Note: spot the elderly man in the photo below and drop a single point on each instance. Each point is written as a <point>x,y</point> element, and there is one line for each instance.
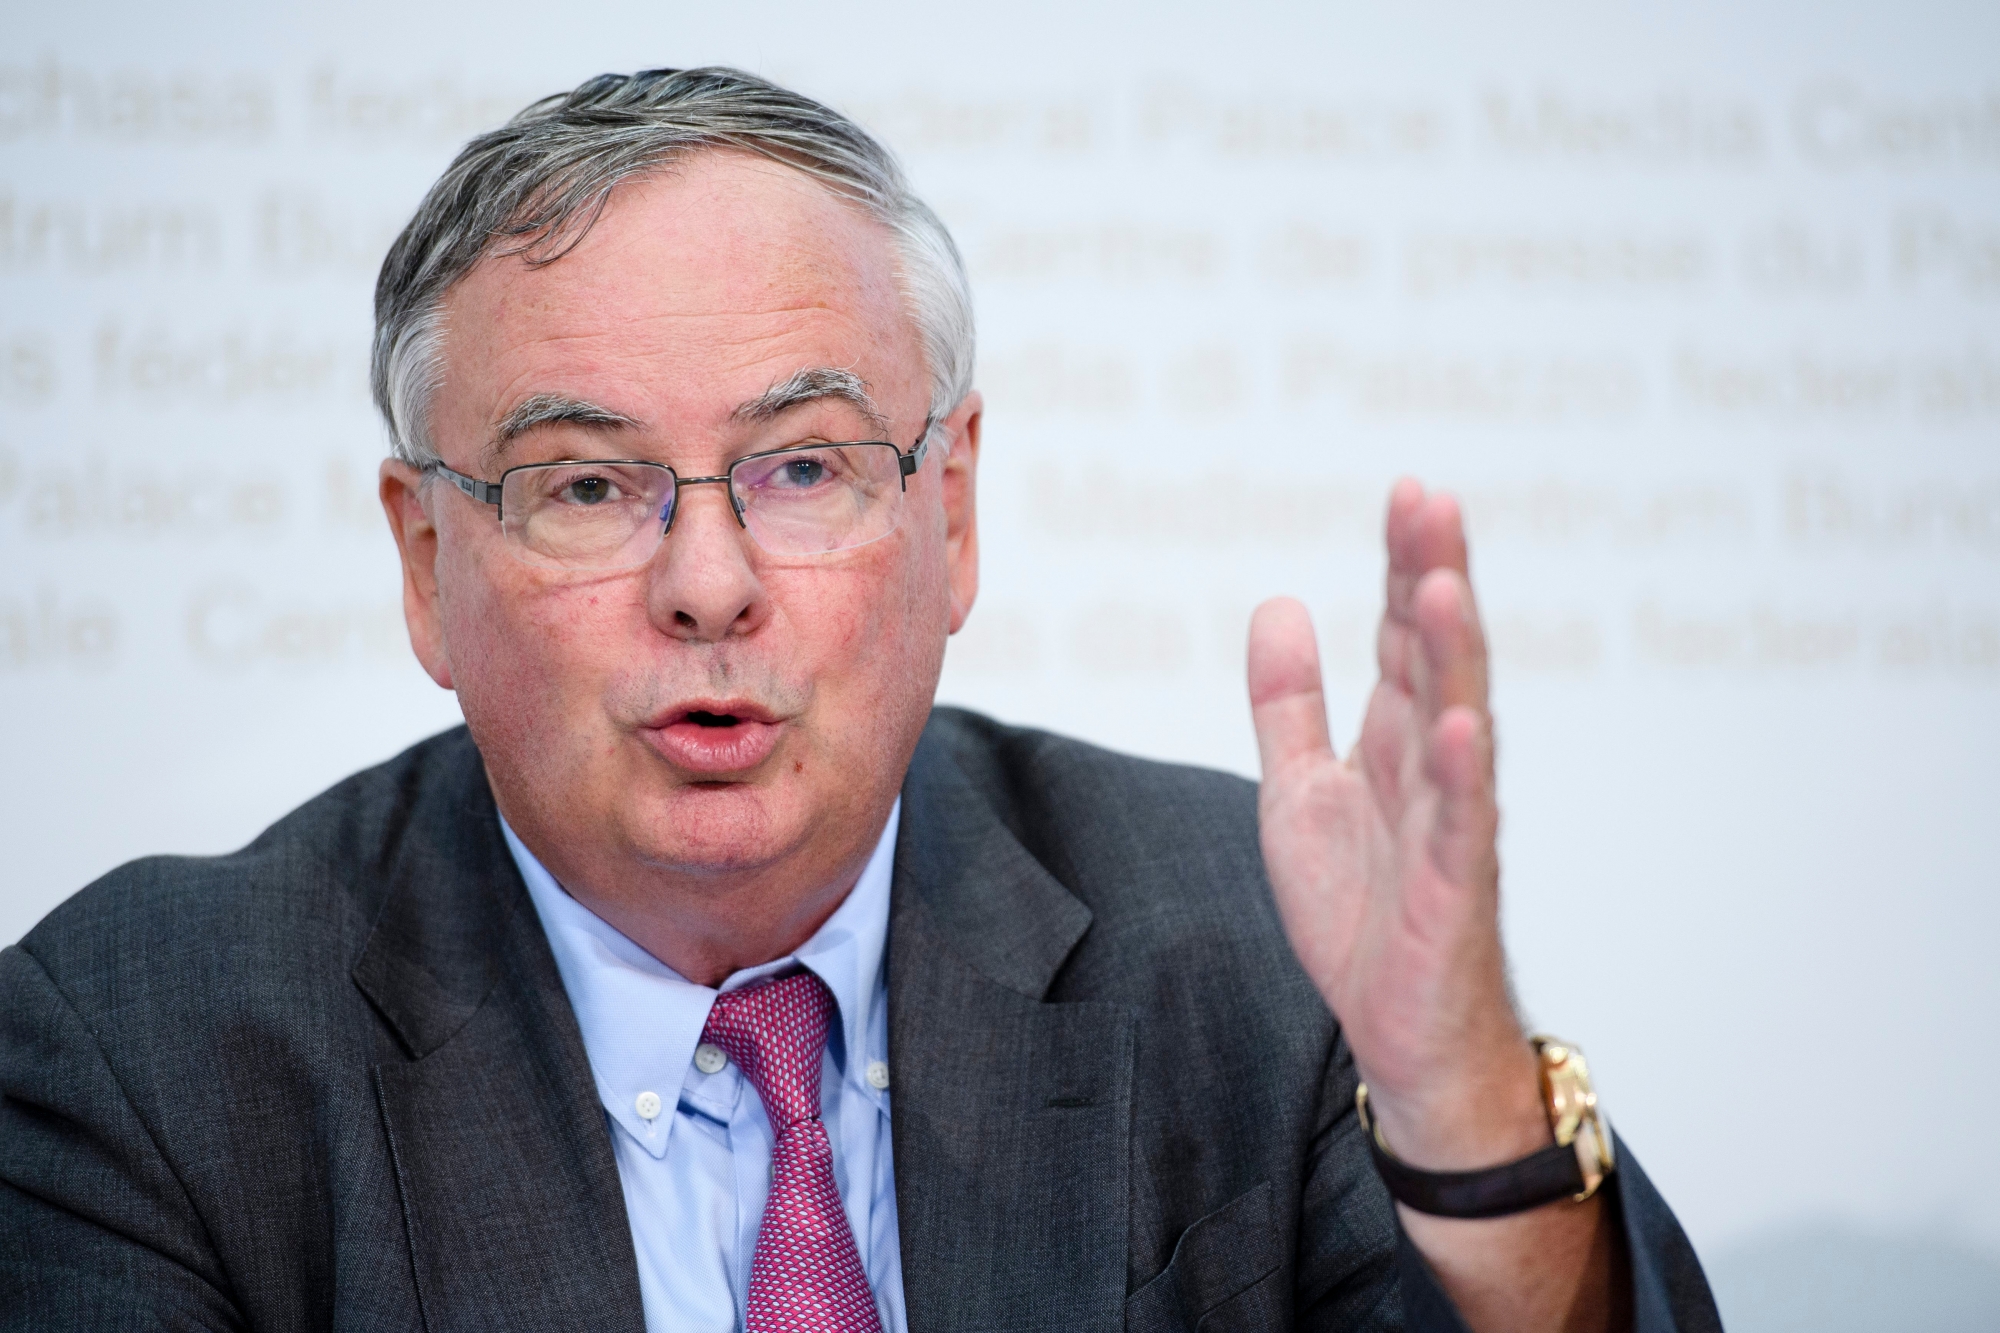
<point>709,978</point>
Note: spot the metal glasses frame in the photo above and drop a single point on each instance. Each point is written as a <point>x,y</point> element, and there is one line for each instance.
<point>490,492</point>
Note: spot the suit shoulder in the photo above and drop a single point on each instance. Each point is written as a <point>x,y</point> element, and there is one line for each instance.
<point>1167,859</point>
<point>306,885</point>
<point>1099,820</point>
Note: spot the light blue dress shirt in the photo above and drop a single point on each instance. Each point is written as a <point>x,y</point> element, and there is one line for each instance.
<point>695,1173</point>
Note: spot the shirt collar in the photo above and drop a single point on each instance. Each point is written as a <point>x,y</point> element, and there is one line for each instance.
<point>641,1020</point>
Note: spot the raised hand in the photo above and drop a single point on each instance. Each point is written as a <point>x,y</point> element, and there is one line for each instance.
<point>1384,865</point>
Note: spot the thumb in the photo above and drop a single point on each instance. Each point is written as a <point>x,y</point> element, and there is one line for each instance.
<point>1287,704</point>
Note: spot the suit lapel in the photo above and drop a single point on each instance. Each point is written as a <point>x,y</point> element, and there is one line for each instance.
<point>510,1193</point>
<point>1011,1114</point>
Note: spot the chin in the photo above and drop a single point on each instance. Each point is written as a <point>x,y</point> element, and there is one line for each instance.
<point>716,828</point>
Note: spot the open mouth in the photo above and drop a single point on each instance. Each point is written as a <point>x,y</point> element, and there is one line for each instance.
<point>703,718</point>
<point>716,739</point>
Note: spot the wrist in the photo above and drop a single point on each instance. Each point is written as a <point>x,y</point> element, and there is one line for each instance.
<point>1483,1114</point>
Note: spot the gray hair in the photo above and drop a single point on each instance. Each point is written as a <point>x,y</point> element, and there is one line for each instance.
<point>537,184</point>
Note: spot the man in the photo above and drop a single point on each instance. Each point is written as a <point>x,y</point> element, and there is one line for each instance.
<point>708,978</point>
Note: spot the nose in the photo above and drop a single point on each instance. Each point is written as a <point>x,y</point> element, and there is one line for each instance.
<point>703,587</point>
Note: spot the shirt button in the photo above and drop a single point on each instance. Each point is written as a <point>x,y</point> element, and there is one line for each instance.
<point>647,1104</point>
<point>709,1058</point>
<point>877,1075</point>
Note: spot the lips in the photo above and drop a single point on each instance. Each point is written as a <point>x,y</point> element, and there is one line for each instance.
<point>715,738</point>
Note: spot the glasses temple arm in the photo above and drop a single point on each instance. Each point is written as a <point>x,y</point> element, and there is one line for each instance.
<point>486,492</point>
<point>910,462</point>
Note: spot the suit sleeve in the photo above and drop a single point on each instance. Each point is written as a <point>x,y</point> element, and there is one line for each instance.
<point>96,1231</point>
<point>1350,1249</point>
<point>1348,1212</point>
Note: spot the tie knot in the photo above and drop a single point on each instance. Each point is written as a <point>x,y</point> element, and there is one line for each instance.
<point>775,1032</point>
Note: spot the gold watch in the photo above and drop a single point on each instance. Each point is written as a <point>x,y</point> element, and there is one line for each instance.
<point>1574,1115</point>
<point>1573,1167</point>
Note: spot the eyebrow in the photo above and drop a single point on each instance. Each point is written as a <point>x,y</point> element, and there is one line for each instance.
<point>552,409</point>
<point>811,385</point>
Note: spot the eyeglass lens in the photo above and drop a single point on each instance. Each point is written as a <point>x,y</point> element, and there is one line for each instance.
<point>804,501</point>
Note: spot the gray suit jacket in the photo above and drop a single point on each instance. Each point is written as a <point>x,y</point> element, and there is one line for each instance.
<point>332,1081</point>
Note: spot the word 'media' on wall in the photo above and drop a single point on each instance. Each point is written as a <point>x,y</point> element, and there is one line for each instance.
<point>1663,127</point>
<point>1837,124</point>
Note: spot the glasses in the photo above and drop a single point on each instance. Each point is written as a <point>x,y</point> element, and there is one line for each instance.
<point>609,514</point>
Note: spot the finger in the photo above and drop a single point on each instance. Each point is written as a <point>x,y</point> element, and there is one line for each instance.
<point>1459,767</point>
<point>1437,534</point>
<point>1423,532</point>
<point>1287,701</point>
<point>1406,500</point>
<point>1452,646</point>
<point>1388,739</point>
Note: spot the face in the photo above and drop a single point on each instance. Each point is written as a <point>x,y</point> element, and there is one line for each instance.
<point>719,721</point>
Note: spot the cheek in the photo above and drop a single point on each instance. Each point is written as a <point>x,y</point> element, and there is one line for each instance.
<point>871,632</point>
<point>518,646</point>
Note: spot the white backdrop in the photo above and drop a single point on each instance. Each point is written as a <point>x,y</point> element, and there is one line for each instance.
<point>1698,307</point>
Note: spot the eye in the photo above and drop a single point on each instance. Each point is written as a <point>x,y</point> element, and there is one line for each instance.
<point>804,472</point>
<point>588,490</point>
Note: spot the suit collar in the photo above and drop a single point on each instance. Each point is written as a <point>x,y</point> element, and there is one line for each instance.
<point>1011,1115</point>
<point>984,894</point>
<point>503,1161</point>
<point>453,896</point>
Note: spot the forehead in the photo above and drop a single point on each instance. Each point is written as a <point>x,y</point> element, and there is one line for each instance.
<point>696,290</point>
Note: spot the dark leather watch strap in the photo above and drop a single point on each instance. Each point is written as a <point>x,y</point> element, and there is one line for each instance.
<point>1539,1178</point>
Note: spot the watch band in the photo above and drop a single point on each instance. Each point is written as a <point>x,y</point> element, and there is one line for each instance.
<point>1572,1167</point>
<point>1539,1178</point>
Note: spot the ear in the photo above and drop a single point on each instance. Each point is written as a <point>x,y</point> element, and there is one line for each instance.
<point>961,510</point>
<point>402,491</point>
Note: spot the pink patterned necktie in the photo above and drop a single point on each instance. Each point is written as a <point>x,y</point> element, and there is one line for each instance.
<point>806,1275</point>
